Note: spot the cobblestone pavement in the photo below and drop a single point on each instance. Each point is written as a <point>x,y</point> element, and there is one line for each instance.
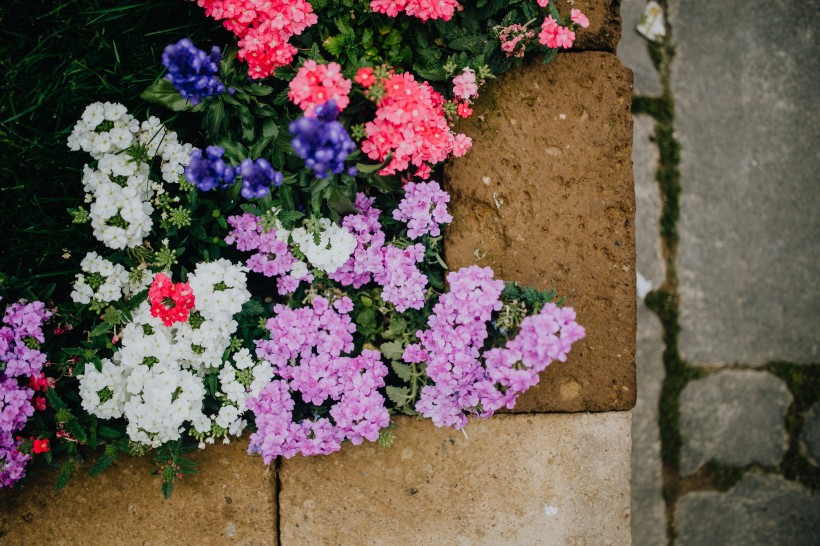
<point>726,430</point>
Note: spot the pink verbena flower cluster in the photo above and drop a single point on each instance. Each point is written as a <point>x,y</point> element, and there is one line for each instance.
<point>315,84</point>
<point>20,364</point>
<point>423,9</point>
<point>411,124</point>
<point>305,349</point>
<point>514,39</point>
<point>554,35</point>
<point>273,256</point>
<point>264,28</point>
<point>423,208</point>
<point>451,349</point>
<point>392,268</point>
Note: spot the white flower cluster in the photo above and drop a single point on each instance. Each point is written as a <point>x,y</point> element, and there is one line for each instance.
<point>239,380</point>
<point>119,189</point>
<point>155,380</point>
<point>219,289</point>
<point>105,280</point>
<point>334,246</point>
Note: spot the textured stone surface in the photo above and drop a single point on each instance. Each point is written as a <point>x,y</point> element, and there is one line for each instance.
<point>546,197</point>
<point>604,28</point>
<point>648,517</point>
<point>229,501</point>
<point>761,510</point>
<point>746,110</point>
<point>633,50</point>
<point>514,479</point>
<point>648,206</point>
<point>734,417</point>
<point>811,434</point>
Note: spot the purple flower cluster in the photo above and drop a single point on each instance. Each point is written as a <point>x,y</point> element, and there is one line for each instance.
<point>257,177</point>
<point>209,171</point>
<point>22,323</point>
<point>322,141</point>
<point>423,208</point>
<point>272,256</point>
<point>305,349</point>
<point>388,266</point>
<point>192,71</point>
<point>452,343</point>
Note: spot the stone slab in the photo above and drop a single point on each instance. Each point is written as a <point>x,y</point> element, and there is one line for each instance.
<point>747,119</point>
<point>546,197</point>
<point>648,507</point>
<point>230,501</point>
<point>513,479</point>
<point>634,52</point>
<point>648,204</point>
<point>734,417</point>
<point>761,510</point>
<point>604,30</point>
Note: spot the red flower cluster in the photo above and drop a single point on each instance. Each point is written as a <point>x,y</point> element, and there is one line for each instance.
<point>410,123</point>
<point>264,28</point>
<point>171,302</point>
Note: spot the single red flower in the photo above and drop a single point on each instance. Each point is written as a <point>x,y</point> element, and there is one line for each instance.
<point>40,403</point>
<point>40,446</point>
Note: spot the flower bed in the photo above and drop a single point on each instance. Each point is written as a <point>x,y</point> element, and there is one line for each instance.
<point>286,276</point>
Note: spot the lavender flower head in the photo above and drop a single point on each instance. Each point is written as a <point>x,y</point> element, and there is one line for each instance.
<point>322,141</point>
<point>209,171</point>
<point>257,177</point>
<point>193,71</point>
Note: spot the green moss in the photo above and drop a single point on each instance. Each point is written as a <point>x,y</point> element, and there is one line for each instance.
<point>804,383</point>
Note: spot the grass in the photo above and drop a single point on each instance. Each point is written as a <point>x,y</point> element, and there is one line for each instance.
<point>56,58</point>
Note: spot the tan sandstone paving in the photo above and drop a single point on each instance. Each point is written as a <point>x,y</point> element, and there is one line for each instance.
<point>514,479</point>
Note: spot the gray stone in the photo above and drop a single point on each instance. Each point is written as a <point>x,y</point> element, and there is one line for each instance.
<point>746,117</point>
<point>761,510</point>
<point>811,434</point>
<point>734,417</point>
<point>633,52</point>
<point>648,517</point>
<point>648,205</point>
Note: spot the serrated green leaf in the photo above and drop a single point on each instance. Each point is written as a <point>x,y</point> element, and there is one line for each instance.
<point>398,395</point>
<point>392,350</point>
<point>108,432</point>
<point>404,371</point>
<point>100,329</point>
<point>65,474</point>
<point>54,399</point>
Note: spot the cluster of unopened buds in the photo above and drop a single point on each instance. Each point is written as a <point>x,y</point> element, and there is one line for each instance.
<point>169,471</point>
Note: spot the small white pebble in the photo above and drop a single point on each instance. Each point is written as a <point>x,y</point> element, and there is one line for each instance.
<point>562,116</point>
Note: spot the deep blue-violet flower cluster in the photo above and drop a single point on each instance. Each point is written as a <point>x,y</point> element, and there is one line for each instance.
<point>322,141</point>
<point>193,71</point>
<point>208,171</point>
<point>257,177</point>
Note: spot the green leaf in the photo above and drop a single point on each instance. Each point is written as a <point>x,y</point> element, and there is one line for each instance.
<point>108,432</point>
<point>164,93</point>
<point>333,45</point>
<point>366,319</point>
<point>270,129</point>
<point>55,400</point>
<point>167,489</point>
<point>259,90</point>
<point>101,464</point>
<point>100,329</point>
<point>65,474</point>
<point>73,426</point>
<point>404,371</point>
<point>338,201</point>
<point>392,350</point>
<point>214,119</point>
<point>398,395</point>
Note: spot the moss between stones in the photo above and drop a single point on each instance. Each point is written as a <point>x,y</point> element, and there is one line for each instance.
<point>804,383</point>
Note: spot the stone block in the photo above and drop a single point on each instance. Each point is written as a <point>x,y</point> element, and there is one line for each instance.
<point>513,479</point>
<point>546,197</point>
<point>648,508</point>
<point>734,417</point>
<point>761,510</point>
<point>229,501</point>
<point>648,204</point>
<point>633,50</point>
<point>748,258</point>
